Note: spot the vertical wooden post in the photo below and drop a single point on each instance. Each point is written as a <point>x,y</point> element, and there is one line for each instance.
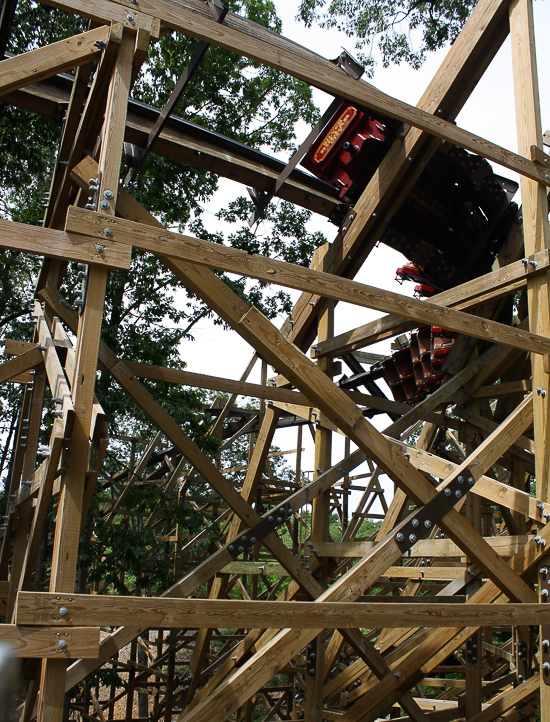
<point>536,237</point>
<point>69,511</point>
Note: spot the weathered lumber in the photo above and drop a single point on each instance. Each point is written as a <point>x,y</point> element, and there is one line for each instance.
<point>35,65</point>
<point>206,253</point>
<point>58,244</point>
<point>35,608</point>
<point>507,279</point>
<point>49,642</point>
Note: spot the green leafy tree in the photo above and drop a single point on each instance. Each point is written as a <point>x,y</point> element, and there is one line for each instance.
<point>401,30</point>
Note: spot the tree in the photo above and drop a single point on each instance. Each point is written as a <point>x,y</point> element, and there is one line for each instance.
<point>148,311</point>
<point>401,30</point>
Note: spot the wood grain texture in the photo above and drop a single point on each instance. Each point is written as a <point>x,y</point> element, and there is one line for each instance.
<point>58,244</point>
<point>205,253</point>
<point>35,65</point>
<point>42,642</point>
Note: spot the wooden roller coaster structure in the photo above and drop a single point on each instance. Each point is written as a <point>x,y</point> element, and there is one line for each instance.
<point>443,613</point>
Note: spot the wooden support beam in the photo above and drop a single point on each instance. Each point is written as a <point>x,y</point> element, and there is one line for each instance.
<point>44,642</point>
<point>507,279</point>
<point>58,244</point>
<point>109,11</point>
<point>35,65</point>
<point>505,546</point>
<point>254,41</point>
<point>206,253</point>
<point>35,608</point>
<point>25,362</point>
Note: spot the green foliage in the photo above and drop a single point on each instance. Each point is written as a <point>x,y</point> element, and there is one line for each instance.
<point>401,30</point>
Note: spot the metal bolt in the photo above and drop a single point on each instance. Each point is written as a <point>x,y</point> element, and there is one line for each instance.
<point>253,539</point>
<point>412,538</point>
<point>533,263</point>
<point>460,479</point>
<point>63,611</point>
<point>99,248</point>
<point>458,493</point>
<point>107,231</point>
<point>344,229</point>
<point>545,643</point>
<point>104,204</point>
<point>544,571</point>
<point>62,644</point>
<point>269,518</point>
<point>244,537</point>
<point>89,207</point>
<point>427,523</point>
<point>546,666</point>
<point>400,537</point>
<point>397,674</point>
<point>525,262</point>
<point>415,523</point>
<point>544,593</point>
<point>231,547</point>
<point>447,492</point>
<point>241,549</point>
<point>130,18</point>
<point>471,480</point>
<point>537,539</point>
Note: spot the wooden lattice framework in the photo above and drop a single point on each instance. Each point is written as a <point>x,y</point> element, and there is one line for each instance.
<point>338,655</point>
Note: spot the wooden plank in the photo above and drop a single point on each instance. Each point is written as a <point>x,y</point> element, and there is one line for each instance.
<point>106,11</point>
<point>506,546</point>
<point>205,253</point>
<point>35,65</point>
<point>38,608</point>
<point>71,498</point>
<point>536,228</point>
<point>491,285</point>
<point>42,642</point>
<point>24,362</point>
<point>58,244</point>
<point>247,38</point>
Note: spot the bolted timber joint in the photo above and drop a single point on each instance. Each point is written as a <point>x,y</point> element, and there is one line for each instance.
<point>272,522</point>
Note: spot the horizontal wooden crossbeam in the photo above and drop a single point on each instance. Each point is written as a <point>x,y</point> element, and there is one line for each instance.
<point>68,610</point>
<point>47,641</point>
<point>64,246</point>
<point>212,255</point>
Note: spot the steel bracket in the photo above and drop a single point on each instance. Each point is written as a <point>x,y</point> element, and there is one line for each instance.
<point>427,516</point>
<point>311,658</point>
<point>544,584</point>
<point>522,670</point>
<point>271,522</point>
<point>348,63</point>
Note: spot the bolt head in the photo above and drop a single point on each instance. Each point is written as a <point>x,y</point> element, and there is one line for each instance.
<point>427,523</point>
<point>458,493</point>
<point>447,492</point>
<point>415,523</point>
<point>412,538</point>
<point>400,537</point>
<point>460,479</point>
<point>107,231</point>
<point>62,644</point>
<point>99,248</point>
<point>130,17</point>
<point>104,204</point>
<point>63,611</point>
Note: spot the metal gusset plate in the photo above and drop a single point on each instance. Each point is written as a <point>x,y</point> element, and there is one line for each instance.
<point>427,516</point>
<point>270,522</point>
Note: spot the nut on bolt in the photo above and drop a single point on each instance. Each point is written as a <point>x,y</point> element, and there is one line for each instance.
<point>62,644</point>
<point>99,248</point>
